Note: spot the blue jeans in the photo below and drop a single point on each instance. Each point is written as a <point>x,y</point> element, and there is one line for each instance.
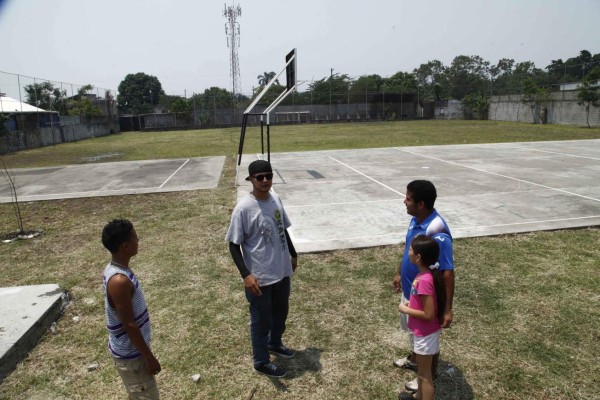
<point>268,313</point>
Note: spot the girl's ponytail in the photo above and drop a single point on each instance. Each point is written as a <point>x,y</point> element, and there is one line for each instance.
<point>440,293</point>
<point>429,250</point>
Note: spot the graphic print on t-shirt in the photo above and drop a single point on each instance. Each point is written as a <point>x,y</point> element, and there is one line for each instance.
<point>280,229</point>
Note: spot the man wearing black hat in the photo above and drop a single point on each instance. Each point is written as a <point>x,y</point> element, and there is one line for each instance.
<point>265,256</point>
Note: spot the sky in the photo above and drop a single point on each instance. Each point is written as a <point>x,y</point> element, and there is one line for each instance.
<point>183,42</point>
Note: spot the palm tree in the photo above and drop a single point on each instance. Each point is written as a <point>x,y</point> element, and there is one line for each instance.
<point>266,77</point>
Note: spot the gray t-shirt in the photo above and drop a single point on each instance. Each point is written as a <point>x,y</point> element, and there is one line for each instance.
<point>259,227</point>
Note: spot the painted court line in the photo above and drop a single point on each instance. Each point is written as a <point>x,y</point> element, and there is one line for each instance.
<point>560,154</point>
<point>533,222</point>
<point>342,203</point>
<point>368,177</point>
<point>500,175</point>
<point>173,174</point>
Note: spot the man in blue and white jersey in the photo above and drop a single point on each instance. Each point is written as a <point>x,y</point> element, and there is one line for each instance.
<point>419,201</point>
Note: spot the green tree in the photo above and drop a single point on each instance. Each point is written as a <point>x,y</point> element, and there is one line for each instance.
<point>432,80</point>
<point>139,93</point>
<point>265,78</point>
<point>365,85</point>
<point>81,104</point>
<point>45,96</point>
<point>214,98</point>
<point>180,105</point>
<point>501,75</point>
<point>527,69</point>
<point>556,71</point>
<point>274,91</point>
<point>468,74</point>
<point>401,82</point>
<point>580,65</point>
<point>476,103</point>
<point>573,69</point>
<point>537,98</point>
<point>332,89</point>
<point>588,93</point>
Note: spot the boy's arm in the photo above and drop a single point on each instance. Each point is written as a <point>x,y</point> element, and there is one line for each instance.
<point>120,292</point>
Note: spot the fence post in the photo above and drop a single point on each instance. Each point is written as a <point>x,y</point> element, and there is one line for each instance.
<point>348,109</point>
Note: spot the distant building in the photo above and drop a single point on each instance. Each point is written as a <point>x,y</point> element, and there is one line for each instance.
<point>565,87</point>
<point>22,116</point>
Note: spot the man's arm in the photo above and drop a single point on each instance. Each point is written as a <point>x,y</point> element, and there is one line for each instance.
<point>448,276</point>
<point>250,281</point>
<point>120,292</point>
<point>397,282</point>
<point>293,253</point>
<point>446,263</point>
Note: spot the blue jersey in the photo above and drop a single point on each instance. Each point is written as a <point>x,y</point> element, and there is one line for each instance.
<point>436,227</point>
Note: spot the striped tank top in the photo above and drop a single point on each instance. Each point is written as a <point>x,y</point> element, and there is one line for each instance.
<point>118,341</point>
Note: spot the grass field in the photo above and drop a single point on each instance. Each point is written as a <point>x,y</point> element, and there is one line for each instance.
<point>526,307</point>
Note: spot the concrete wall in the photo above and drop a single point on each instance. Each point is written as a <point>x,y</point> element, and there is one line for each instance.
<point>283,114</point>
<point>72,130</point>
<point>562,110</point>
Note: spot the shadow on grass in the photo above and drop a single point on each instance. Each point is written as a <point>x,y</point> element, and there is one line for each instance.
<point>307,360</point>
<point>451,383</point>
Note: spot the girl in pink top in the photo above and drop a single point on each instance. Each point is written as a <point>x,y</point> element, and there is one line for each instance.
<point>425,310</point>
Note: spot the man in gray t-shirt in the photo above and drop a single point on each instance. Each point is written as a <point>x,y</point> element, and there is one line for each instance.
<point>265,257</point>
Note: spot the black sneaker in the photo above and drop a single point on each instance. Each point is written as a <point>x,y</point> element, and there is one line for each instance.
<point>270,370</point>
<point>282,351</point>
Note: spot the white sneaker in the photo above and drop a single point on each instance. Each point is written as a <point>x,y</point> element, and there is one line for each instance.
<point>405,362</point>
<point>412,386</point>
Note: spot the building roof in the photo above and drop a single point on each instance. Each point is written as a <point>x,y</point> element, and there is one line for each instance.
<point>8,105</point>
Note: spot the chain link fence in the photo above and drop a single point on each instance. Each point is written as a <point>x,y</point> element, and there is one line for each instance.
<point>39,112</point>
<point>358,101</point>
<point>88,111</point>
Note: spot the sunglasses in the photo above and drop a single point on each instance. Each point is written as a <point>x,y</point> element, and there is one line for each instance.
<point>261,178</point>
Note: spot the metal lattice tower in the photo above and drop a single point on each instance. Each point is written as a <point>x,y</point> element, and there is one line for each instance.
<point>232,30</point>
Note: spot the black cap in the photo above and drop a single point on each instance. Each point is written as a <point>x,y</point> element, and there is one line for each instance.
<point>258,166</point>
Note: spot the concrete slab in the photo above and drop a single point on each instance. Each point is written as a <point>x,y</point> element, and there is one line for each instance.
<point>26,312</point>
<point>354,198</point>
<point>114,178</point>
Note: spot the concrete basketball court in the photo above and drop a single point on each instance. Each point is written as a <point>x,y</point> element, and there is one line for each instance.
<point>354,198</point>
<point>114,178</point>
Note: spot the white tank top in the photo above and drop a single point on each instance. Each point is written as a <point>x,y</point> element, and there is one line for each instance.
<point>118,341</point>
